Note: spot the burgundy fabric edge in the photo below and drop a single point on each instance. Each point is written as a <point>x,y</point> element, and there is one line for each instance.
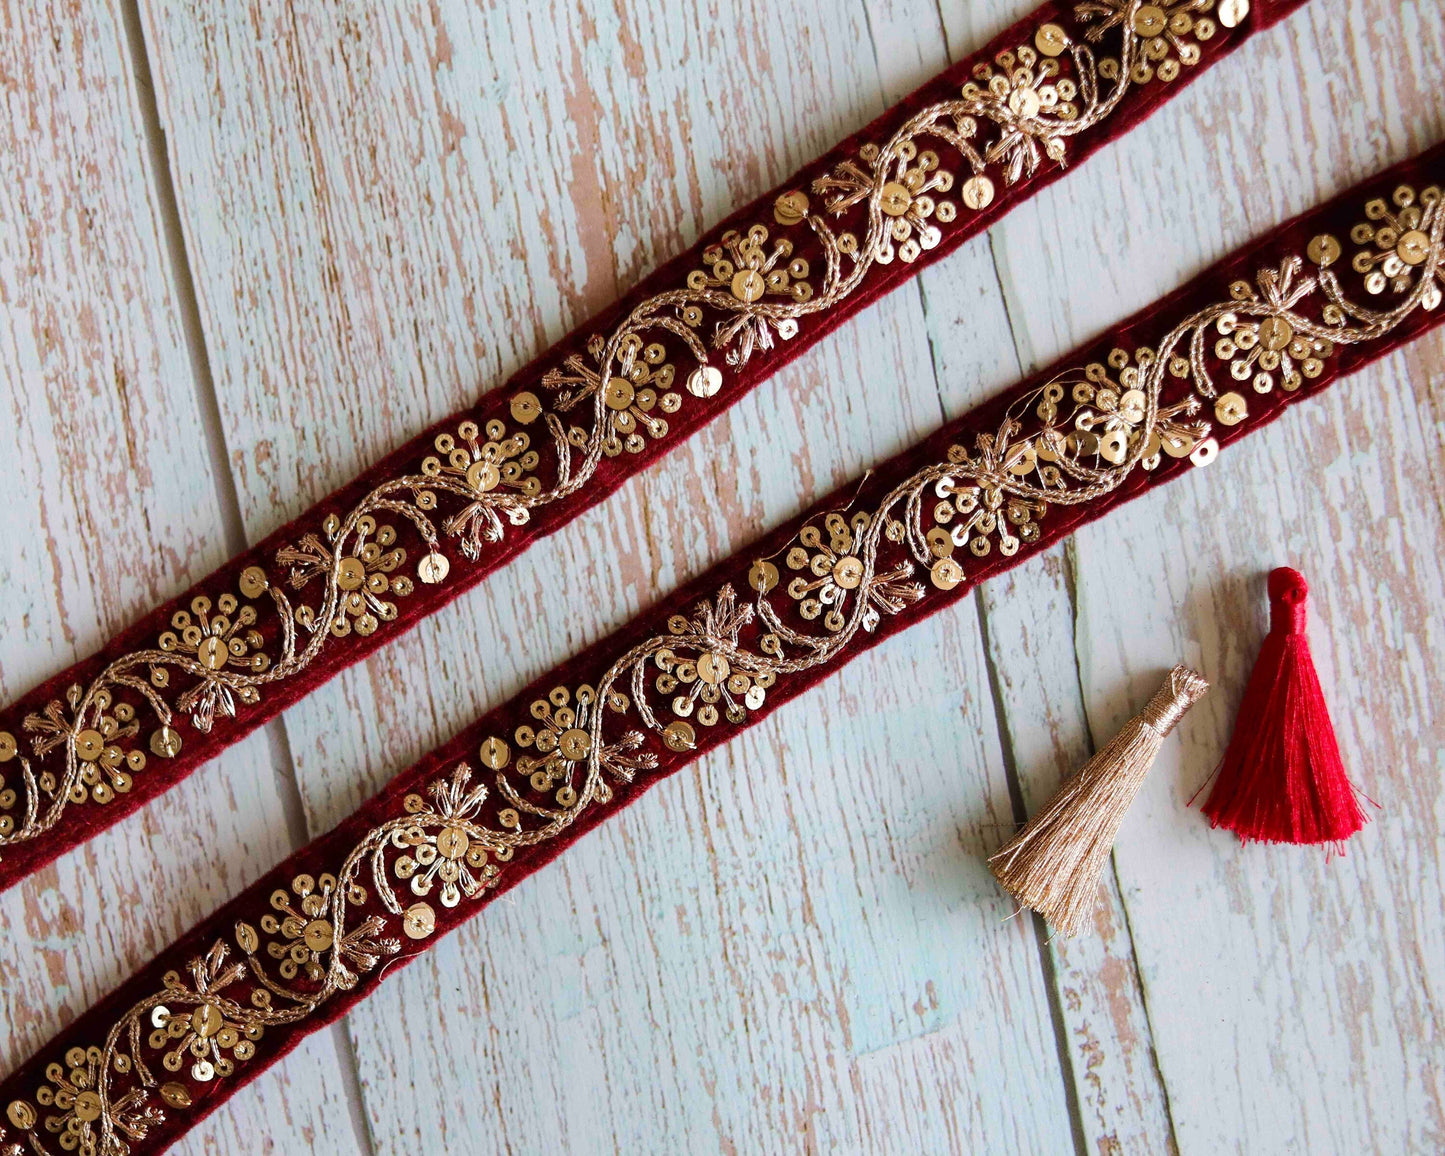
<point>1205,286</point>
<point>22,860</point>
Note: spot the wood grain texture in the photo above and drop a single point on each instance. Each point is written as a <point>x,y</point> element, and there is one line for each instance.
<point>1290,1001</point>
<point>111,506</point>
<point>793,946</point>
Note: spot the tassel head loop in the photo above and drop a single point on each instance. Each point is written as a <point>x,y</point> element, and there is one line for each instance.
<point>1053,865</point>
<point>1181,690</point>
<point>1288,596</point>
<point>1282,779</point>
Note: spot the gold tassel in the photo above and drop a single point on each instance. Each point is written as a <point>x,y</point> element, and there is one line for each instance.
<point>1053,865</point>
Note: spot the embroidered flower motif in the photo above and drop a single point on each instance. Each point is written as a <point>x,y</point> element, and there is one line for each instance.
<point>563,742</point>
<point>308,932</point>
<point>1109,406</point>
<point>1257,348</point>
<point>106,762</point>
<point>709,676</point>
<point>1396,240</point>
<point>217,642</point>
<point>72,1090</point>
<point>364,577</point>
<point>204,1032</point>
<point>973,512</point>
<point>742,266</point>
<point>832,571</point>
<point>642,384</point>
<point>1036,97</point>
<point>561,739</point>
<point>448,852</point>
<point>906,198</point>
<point>476,469</point>
<point>1169,34</point>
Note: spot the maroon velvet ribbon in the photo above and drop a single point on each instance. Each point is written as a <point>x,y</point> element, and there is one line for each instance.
<point>95,742</point>
<point>883,553</point>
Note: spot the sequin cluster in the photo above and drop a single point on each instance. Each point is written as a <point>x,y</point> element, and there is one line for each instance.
<point>1070,442</point>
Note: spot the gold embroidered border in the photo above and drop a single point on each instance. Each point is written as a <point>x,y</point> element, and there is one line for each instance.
<point>1068,443</point>
<point>1021,108</point>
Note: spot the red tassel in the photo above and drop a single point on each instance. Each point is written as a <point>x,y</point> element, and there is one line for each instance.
<point>1282,780</point>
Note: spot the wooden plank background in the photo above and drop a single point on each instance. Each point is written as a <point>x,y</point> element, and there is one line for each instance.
<point>244,249</point>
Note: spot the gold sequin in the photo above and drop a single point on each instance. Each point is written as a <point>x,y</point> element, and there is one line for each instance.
<point>791,208</point>
<point>574,744</point>
<point>165,743</point>
<point>1149,20</point>
<point>895,199</point>
<point>88,745</point>
<point>1323,250</point>
<point>1233,12</point>
<point>419,920</point>
<point>526,407</point>
<point>175,1095</point>
<point>978,192</point>
<point>1051,40</point>
<point>704,381</point>
<point>679,736</point>
<point>619,393</point>
<point>351,573</point>
<point>206,1020</point>
<point>433,568</point>
<point>712,668</point>
<point>1231,409</point>
<point>495,753</point>
<point>318,934</point>
<point>252,582</point>
<point>1413,248</point>
<point>452,842</point>
<point>1275,333</point>
<point>946,573</point>
<point>848,572</point>
<point>748,285</point>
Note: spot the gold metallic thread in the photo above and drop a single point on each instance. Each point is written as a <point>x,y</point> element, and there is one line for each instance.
<point>1070,442</point>
<point>751,292</point>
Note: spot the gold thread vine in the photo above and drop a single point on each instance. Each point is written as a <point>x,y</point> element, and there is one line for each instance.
<point>1069,442</point>
<point>1019,108</point>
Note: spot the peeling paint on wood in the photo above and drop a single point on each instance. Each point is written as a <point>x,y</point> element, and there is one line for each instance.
<point>795,946</point>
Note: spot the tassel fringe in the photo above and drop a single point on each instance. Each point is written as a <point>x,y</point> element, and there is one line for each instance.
<point>1282,779</point>
<point>1053,865</point>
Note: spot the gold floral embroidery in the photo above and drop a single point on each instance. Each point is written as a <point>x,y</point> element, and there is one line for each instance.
<point>76,1120</point>
<point>363,575</point>
<point>1396,236</point>
<point>897,200</point>
<point>643,383</point>
<point>1069,442</point>
<point>748,269</point>
<point>1168,35</point>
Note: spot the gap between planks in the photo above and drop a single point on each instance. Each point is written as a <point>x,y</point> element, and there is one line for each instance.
<point>183,287</point>
<point>185,292</point>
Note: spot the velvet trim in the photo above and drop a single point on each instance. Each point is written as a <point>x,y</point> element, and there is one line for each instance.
<point>81,820</point>
<point>1252,266</point>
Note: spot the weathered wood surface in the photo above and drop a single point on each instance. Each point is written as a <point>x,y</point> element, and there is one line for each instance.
<point>111,505</point>
<point>795,945</point>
